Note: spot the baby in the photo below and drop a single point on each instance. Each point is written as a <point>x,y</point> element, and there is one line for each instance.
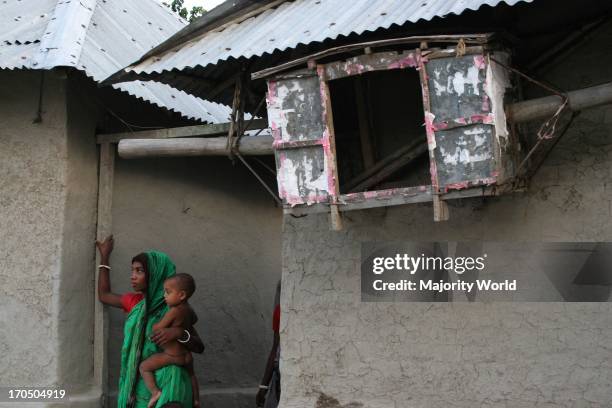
<point>177,290</point>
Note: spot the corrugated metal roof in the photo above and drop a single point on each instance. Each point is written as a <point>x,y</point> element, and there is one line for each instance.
<point>97,37</point>
<point>301,22</point>
<point>178,101</point>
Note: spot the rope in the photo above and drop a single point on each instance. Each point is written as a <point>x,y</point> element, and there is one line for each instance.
<point>548,128</point>
<point>461,48</point>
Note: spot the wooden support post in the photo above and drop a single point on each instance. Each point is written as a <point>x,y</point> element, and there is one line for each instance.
<point>336,218</point>
<point>233,128</point>
<point>367,150</point>
<point>104,226</point>
<point>440,207</point>
<point>244,87</point>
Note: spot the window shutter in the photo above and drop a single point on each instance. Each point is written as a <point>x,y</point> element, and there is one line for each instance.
<point>459,122</point>
<point>303,142</point>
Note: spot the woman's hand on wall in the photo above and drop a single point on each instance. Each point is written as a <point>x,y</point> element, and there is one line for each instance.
<point>104,286</point>
<point>105,247</point>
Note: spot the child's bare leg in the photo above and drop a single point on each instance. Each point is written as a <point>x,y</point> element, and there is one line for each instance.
<point>195,388</point>
<point>147,369</point>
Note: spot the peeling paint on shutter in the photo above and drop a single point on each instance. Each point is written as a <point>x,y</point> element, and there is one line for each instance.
<point>297,117</point>
<point>460,123</point>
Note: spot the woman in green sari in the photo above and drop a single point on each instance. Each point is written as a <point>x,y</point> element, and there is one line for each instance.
<point>144,308</point>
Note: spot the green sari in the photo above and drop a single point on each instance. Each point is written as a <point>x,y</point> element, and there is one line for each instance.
<point>174,381</point>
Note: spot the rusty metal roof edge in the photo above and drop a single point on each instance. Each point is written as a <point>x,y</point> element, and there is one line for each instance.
<point>482,38</point>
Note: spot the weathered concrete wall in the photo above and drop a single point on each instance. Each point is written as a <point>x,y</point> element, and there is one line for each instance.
<point>218,224</point>
<point>75,328</point>
<point>48,189</point>
<point>339,352</point>
<point>31,219</point>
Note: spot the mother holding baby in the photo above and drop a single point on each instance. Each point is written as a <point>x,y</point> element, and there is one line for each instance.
<point>145,307</point>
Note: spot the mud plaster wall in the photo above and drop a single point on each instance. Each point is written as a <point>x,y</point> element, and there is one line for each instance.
<point>48,188</point>
<point>218,224</point>
<point>339,352</point>
<point>75,328</point>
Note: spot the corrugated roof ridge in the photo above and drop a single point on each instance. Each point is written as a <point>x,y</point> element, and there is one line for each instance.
<point>62,44</point>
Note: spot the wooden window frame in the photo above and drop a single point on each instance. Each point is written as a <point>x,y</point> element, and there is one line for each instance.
<point>385,61</point>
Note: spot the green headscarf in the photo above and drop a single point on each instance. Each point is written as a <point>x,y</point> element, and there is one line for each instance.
<point>173,381</point>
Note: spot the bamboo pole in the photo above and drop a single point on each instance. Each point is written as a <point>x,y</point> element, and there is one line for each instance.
<point>197,146</point>
<point>533,109</point>
<point>541,108</point>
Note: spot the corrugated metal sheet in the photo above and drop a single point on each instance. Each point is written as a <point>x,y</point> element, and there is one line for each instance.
<point>97,37</point>
<point>174,100</point>
<point>23,24</point>
<point>302,22</point>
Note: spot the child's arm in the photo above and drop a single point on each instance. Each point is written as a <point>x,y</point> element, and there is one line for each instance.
<point>183,316</point>
<point>167,320</point>
<point>195,344</point>
<point>194,317</point>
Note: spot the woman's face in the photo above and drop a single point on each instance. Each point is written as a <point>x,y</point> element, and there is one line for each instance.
<point>138,278</point>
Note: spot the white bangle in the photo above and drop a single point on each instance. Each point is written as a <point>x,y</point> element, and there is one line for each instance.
<point>185,341</point>
<point>263,387</point>
<point>105,267</point>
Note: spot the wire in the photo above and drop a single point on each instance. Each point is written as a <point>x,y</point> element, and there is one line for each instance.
<point>263,183</point>
<point>38,118</point>
<point>265,165</point>
<point>547,130</point>
<point>130,126</point>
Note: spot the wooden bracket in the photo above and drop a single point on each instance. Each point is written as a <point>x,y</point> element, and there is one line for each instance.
<point>439,206</point>
<point>103,229</point>
<point>237,117</point>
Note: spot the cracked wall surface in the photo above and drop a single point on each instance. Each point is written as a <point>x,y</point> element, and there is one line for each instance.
<point>339,352</point>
